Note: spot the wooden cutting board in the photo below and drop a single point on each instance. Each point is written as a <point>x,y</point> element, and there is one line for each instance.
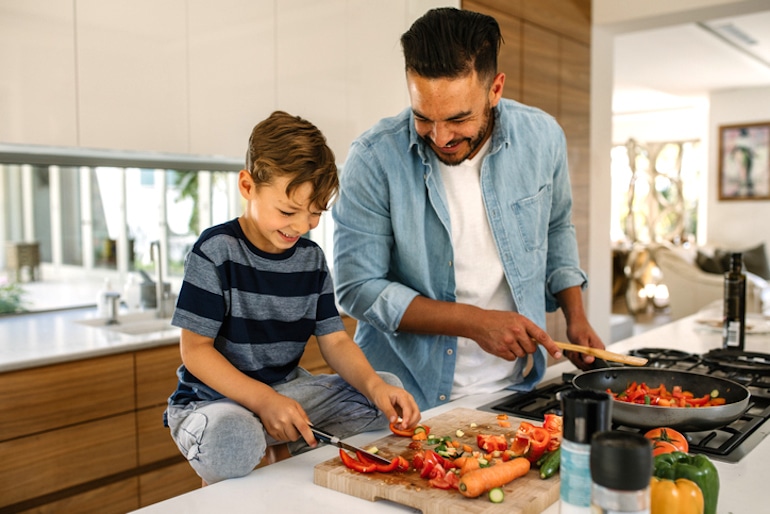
<point>526,495</point>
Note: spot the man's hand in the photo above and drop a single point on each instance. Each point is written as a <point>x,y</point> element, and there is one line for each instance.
<point>510,335</point>
<point>583,334</point>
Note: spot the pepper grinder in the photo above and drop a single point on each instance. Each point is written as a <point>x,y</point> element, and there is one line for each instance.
<point>621,467</point>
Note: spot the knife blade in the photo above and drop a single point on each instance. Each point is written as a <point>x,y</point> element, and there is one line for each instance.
<point>336,441</point>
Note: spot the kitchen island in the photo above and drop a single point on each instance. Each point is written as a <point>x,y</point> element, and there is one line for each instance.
<point>287,486</point>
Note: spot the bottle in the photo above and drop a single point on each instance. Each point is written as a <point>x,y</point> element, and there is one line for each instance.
<point>585,414</point>
<point>132,293</point>
<point>621,467</point>
<point>734,331</point>
<point>101,298</point>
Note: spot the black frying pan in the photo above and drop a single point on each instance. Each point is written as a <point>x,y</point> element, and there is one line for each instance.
<point>678,418</point>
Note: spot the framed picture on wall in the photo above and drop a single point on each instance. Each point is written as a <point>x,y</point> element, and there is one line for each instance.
<point>744,161</point>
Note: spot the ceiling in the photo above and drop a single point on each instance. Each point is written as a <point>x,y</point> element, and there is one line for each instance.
<point>677,66</point>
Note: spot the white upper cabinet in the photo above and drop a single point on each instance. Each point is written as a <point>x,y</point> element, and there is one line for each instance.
<point>232,72</point>
<point>37,73</point>
<point>132,74</point>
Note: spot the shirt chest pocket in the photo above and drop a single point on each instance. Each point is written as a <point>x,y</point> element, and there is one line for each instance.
<point>532,215</point>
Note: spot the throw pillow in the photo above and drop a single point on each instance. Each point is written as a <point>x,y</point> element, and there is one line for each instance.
<point>755,261</point>
<point>710,263</point>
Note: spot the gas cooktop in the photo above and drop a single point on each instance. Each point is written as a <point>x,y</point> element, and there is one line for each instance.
<point>729,443</point>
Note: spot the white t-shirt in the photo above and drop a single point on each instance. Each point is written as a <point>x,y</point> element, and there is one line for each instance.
<point>479,276</point>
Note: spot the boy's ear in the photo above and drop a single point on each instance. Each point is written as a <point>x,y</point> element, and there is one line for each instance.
<point>245,184</point>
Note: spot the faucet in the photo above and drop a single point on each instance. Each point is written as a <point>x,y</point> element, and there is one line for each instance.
<point>160,295</point>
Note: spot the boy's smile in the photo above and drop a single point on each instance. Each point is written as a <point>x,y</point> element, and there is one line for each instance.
<point>274,221</point>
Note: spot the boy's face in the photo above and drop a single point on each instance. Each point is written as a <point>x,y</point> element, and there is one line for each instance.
<point>273,221</point>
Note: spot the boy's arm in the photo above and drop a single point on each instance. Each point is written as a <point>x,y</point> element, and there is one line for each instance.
<point>283,418</point>
<point>347,359</point>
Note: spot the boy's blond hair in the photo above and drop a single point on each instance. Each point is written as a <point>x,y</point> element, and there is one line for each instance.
<point>284,145</point>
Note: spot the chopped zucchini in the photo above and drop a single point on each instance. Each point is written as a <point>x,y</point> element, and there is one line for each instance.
<point>459,433</point>
<point>496,495</point>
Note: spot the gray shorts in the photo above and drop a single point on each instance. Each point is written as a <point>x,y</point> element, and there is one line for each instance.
<point>221,439</point>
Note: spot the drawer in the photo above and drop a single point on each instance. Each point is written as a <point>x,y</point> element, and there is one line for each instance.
<point>43,463</point>
<point>156,375</point>
<point>41,399</point>
<point>155,443</point>
<point>166,483</point>
<point>116,498</point>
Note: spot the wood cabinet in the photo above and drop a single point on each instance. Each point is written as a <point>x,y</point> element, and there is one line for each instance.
<point>88,435</point>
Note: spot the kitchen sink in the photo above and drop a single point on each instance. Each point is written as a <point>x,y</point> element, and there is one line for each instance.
<point>137,323</point>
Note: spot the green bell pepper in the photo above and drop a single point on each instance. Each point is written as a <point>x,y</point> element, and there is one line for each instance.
<point>695,467</point>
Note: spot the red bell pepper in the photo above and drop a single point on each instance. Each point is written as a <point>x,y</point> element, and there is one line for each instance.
<point>492,443</point>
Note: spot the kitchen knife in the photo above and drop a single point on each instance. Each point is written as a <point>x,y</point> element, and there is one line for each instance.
<point>331,439</point>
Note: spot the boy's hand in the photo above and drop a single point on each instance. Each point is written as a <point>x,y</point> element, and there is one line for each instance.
<point>284,419</point>
<point>396,403</point>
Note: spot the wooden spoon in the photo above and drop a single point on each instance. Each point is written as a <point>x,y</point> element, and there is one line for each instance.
<point>603,354</point>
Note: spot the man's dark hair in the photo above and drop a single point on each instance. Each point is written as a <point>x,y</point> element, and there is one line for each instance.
<point>450,43</point>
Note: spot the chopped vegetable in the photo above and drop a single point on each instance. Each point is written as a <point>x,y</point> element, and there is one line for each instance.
<point>496,495</point>
<point>491,443</point>
<point>660,396</point>
<point>537,438</point>
<point>459,433</point>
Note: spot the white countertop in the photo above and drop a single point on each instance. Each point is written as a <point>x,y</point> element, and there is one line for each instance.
<point>287,486</point>
<point>39,339</point>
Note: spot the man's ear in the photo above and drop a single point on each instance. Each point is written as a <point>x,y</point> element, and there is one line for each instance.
<point>496,91</point>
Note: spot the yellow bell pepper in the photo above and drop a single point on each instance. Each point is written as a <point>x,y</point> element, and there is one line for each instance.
<point>675,497</point>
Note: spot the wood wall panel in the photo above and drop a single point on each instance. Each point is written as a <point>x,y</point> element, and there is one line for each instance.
<point>570,18</point>
<point>509,61</point>
<point>64,394</point>
<point>540,69</point>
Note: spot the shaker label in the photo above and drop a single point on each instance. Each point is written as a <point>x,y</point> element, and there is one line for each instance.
<point>575,474</point>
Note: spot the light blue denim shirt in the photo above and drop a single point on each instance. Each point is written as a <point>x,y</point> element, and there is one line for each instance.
<point>392,238</point>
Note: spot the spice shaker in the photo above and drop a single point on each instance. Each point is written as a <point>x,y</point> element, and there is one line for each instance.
<point>585,413</point>
<point>621,468</point>
<point>734,331</point>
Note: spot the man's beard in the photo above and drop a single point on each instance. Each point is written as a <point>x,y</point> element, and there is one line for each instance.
<point>473,143</point>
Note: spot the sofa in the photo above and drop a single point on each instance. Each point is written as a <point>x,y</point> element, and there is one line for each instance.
<point>695,277</point>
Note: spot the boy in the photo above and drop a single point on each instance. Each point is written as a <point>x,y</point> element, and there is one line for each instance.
<point>254,291</point>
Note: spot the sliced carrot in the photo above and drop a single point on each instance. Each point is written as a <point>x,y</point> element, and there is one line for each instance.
<point>477,482</point>
<point>469,464</point>
<point>467,448</point>
<point>504,424</point>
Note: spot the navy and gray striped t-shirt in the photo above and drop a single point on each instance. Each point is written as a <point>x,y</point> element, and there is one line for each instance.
<point>259,307</point>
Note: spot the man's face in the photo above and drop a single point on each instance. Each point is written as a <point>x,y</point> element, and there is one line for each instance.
<point>454,116</point>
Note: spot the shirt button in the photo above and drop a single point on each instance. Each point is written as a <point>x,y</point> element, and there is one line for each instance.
<point>449,352</point>
<point>450,264</point>
<point>442,397</point>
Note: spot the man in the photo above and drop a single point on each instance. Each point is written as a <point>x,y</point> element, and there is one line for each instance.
<point>453,227</point>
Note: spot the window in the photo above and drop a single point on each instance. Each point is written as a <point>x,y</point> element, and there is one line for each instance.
<point>94,222</point>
